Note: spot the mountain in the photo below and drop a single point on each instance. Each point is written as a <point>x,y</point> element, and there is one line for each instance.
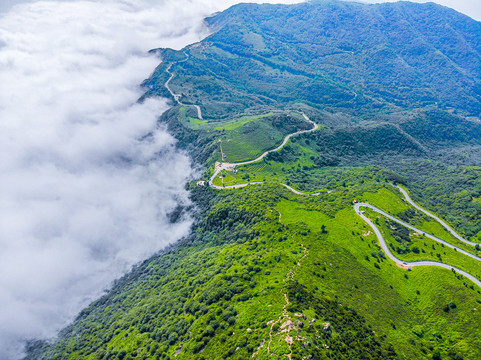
<point>286,267</point>
<point>336,55</point>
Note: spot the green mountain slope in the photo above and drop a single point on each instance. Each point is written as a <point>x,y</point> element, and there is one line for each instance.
<point>340,55</point>
<point>270,274</point>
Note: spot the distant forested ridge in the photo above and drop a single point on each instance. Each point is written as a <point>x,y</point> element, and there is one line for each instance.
<point>345,55</point>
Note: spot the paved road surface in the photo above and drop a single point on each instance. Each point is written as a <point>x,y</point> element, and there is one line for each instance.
<point>227,166</point>
<point>178,96</point>
<point>230,166</point>
<point>446,226</point>
<point>387,251</point>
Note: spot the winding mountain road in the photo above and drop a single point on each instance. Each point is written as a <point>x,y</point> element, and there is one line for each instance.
<point>178,96</point>
<point>230,166</point>
<point>387,251</point>
<point>357,207</point>
<point>446,226</point>
<point>300,192</point>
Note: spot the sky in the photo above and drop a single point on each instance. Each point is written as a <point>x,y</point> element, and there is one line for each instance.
<point>88,175</point>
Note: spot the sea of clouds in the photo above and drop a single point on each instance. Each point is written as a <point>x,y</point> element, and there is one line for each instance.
<point>88,176</point>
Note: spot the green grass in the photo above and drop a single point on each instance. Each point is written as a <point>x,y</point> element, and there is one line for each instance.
<point>190,122</point>
<point>428,248</point>
<point>407,307</point>
<point>236,123</point>
<point>244,143</point>
<point>249,137</point>
<point>197,121</point>
<point>242,252</point>
<point>272,170</point>
<point>225,178</point>
<point>246,137</point>
<point>351,278</point>
<point>301,174</point>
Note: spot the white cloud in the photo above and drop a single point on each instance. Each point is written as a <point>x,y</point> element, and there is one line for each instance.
<point>83,198</point>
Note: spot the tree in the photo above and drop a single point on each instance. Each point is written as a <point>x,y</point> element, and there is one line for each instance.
<point>173,338</point>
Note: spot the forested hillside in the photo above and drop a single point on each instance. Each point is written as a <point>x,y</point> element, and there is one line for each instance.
<point>284,268</point>
<point>344,55</point>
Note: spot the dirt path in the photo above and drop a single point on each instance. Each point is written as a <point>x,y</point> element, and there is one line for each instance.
<point>288,324</point>
<point>222,151</point>
<point>280,216</point>
<point>199,112</point>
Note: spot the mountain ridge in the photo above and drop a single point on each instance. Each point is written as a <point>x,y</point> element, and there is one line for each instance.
<point>347,15</point>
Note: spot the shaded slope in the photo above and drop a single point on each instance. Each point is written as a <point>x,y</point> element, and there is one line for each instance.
<point>341,55</point>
